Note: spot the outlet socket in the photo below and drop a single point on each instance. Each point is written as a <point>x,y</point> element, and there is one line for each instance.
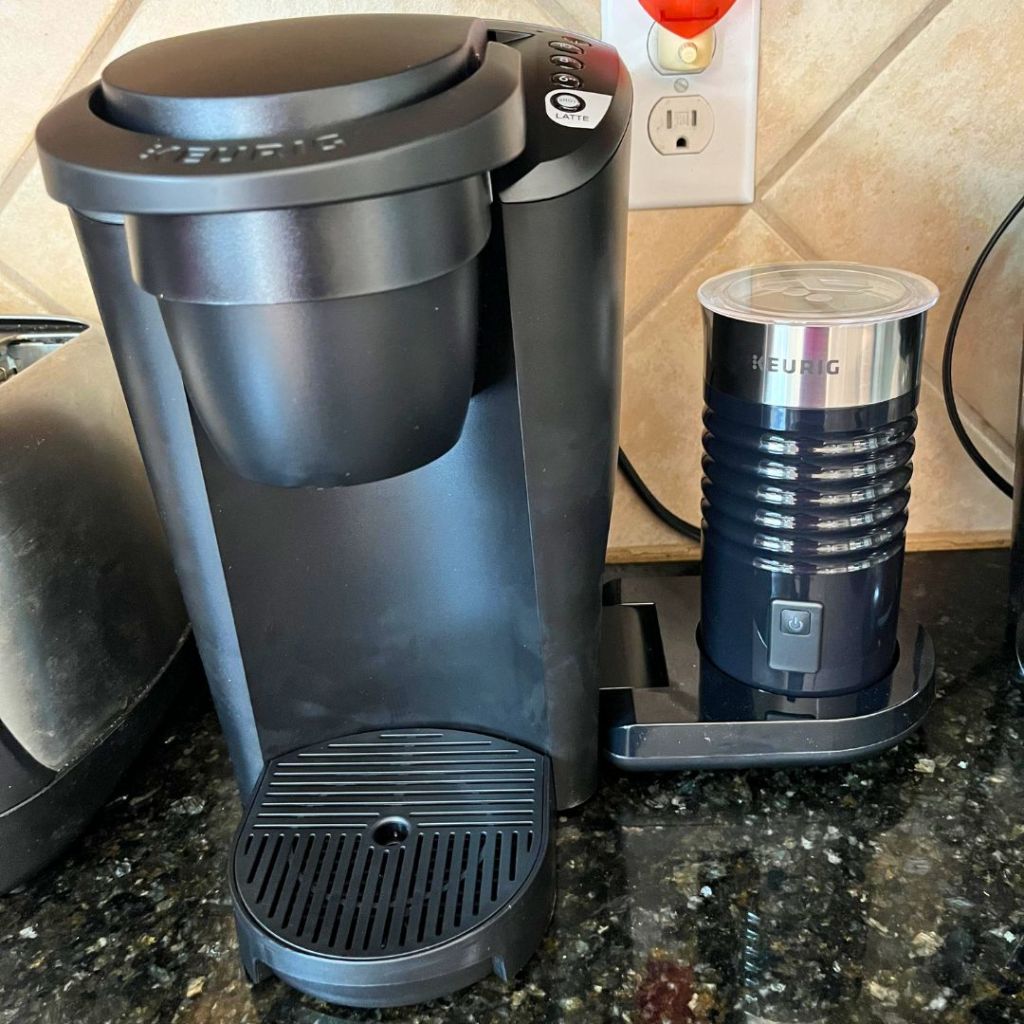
<point>681,125</point>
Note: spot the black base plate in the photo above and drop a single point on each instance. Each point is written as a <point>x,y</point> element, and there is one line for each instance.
<point>388,868</point>
<point>664,707</point>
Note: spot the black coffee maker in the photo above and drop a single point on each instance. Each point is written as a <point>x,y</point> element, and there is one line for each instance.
<point>362,278</point>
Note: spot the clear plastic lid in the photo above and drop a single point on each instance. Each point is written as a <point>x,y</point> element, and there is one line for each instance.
<point>817,293</point>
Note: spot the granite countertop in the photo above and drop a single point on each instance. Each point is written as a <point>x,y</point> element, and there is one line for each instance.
<point>887,891</point>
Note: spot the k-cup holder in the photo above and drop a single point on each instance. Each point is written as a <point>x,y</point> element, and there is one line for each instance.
<point>324,345</point>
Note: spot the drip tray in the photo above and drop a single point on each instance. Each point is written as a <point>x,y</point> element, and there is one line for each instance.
<point>388,868</point>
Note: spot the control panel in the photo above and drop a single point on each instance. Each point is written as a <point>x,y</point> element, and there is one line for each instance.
<point>578,102</point>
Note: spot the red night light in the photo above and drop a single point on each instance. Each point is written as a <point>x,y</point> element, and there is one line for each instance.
<point>686,18</point>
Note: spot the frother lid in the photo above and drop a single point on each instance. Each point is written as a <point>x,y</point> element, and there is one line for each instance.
<point>287,76</point>
<point>822,294</point>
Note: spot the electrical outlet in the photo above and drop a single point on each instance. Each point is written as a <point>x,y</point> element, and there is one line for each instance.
<point>697,99</point>
<point>681,125</point>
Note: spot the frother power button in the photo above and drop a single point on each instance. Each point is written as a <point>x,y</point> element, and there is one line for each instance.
<point>794,636</point>
<point>795,623</point>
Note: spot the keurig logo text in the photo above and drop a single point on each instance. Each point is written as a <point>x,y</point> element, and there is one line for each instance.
<point>192,153</point>
<point>775,364</point>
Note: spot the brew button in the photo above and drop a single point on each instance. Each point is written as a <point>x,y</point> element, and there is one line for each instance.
<point>577,42</point>
<point>557,44</point>
<point>563,60</point>
<point>566,81</point>
<point>568,101</point>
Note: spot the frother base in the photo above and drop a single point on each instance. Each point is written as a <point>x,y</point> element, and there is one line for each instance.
<point>664,707</point>
<point>389,868</point>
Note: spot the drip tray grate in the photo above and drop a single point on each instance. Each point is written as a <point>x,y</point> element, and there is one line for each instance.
<point>389,843</point>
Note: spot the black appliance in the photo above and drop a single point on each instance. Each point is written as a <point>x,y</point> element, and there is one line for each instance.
<point>362,278</point>
<point>801,656</point>
<point>93,633</point>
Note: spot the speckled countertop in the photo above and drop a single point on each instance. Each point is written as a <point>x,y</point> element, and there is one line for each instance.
<point>889,891</point>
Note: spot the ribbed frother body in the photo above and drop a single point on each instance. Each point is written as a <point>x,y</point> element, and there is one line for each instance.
<point>804,514</point>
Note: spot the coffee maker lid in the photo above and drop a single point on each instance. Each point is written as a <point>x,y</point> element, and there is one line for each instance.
<point>287,76</point>
<point>822,294</point>
<point>294,112</point>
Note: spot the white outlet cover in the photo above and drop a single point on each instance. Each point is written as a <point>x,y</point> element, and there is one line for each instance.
<point>722,172</point>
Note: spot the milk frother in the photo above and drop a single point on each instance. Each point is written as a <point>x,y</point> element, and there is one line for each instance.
<point>788,648</point>
<point>811,384</point>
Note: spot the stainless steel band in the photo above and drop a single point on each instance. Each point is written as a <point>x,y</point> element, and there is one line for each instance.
<point>807,367</point>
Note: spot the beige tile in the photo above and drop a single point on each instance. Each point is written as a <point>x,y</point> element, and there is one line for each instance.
<point>158,19</point>
<point>633,526</point>
<point>43,43</point>
<point>919,170</point>
<point>37,240</point>
<point>811,51</point>
<point>662,387</point>
<point>664,245</point>
<point>14,300</point>
<point>949,493</point>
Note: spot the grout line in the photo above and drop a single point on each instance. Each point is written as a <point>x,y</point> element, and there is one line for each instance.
<point>719,227</point>
<point>997,448</point>
<point>786,162</point>
<point>786,231</point>
<point>94,58</point>
<point>46,301</point>
<point>18,172</point>
<point>83,72</point>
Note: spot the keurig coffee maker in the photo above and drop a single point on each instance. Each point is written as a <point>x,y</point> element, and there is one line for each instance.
<point>362,278</point>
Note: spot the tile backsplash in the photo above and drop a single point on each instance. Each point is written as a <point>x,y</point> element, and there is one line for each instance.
<point>888,133</point>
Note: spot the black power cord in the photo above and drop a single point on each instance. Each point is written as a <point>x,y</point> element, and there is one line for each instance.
<point>947,358</point>
<point>647,496</point>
